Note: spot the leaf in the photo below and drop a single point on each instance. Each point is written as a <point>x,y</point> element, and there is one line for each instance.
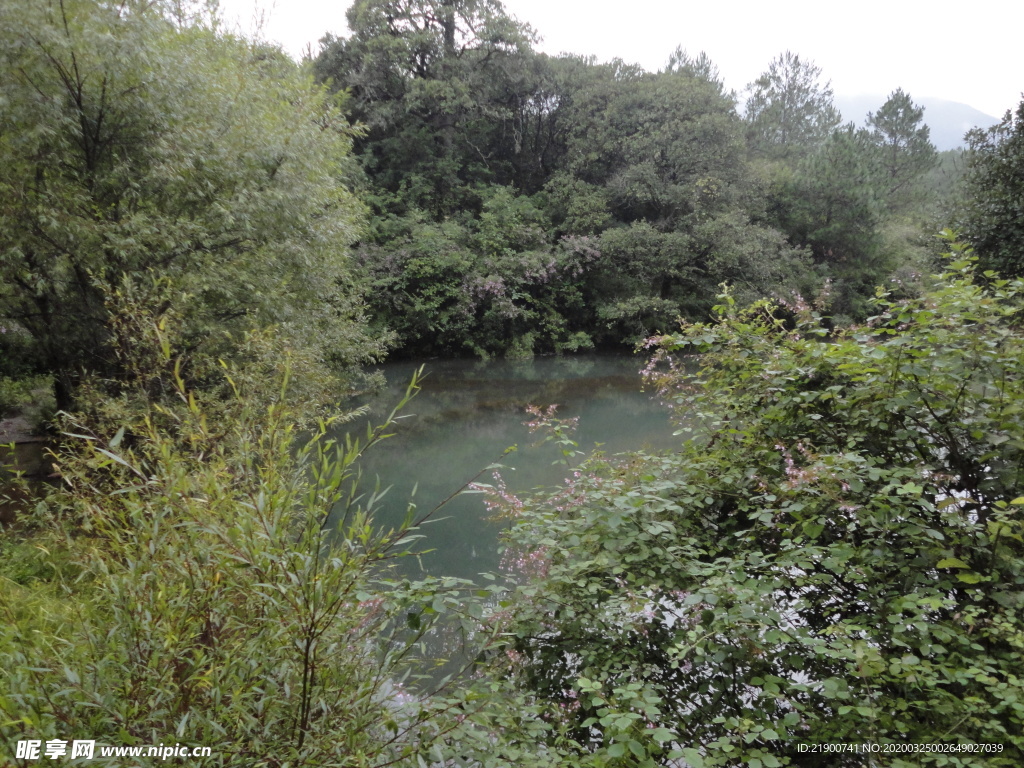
<point>119,460</point>
<point>952,562</point>
<point>693,758</point>
<point>813,530</point>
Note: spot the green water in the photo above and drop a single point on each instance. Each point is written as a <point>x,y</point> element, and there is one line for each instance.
<point>466,416</point>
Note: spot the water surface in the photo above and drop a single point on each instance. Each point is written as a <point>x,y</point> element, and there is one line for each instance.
<point>469,412</point>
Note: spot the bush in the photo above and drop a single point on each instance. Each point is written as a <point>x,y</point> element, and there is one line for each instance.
<point>835,555</point>
<point>219,603</point>
<point>25,393</point>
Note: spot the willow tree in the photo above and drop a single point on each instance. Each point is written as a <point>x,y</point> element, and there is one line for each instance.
<point>139,144</point>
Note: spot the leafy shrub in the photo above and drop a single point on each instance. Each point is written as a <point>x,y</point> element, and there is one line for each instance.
<point>836,554</point>
<point>23,393</point>
<point>219,604</point>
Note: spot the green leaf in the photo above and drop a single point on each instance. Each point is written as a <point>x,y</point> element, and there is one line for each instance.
<point>693,758</point>
<point>119,460</point>
<point>813,530</point>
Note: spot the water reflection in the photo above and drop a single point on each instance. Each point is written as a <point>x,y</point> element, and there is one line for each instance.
<point>466,416</point>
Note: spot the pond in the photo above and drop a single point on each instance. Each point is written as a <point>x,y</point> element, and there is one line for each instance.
<point>468,413</point>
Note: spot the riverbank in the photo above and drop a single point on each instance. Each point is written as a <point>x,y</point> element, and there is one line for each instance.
<point>19,439</point>
<point>22,451</point>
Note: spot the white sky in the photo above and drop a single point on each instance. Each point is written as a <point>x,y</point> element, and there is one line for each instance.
<point>969,52</point>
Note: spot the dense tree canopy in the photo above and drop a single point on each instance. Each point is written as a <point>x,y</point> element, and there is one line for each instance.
<point>644,190</point>
<point>519,203</point>
<point>993,211</point>
<point>842,199</point>
<point>624,195</point>
<point>789,111</point>
<point>665,146</point>
<point>904,150</point>
<point>136,147</point>
<point>831,203</point>
<point>438,85</point>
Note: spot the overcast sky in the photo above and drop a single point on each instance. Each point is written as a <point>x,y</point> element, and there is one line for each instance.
<point>969,52</point>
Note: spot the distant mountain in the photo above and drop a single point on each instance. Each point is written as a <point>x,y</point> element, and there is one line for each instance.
<point>948,120</point>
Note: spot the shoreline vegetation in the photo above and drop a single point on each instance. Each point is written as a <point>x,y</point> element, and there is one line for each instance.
<point>204,244</point>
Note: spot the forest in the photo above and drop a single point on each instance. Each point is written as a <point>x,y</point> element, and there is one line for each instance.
<point>206,247</point>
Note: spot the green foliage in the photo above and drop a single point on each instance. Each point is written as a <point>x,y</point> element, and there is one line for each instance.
<point>640,216</point>
<point>843,199</point>
<point>438,84</point>
<point>834,555</point>
<point>504,159</point>
<point>904,151</point>
<point>229,594</point>
<point>495,285</point>
<point>137,143</point>
<point>577,207</point>
<point>700,66</point>
<point>666,146</point>
<point>943,184</point>
<point>789,112</point>
<point>993,210</point>
<point>28,393</point>
<point>831,203</point>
